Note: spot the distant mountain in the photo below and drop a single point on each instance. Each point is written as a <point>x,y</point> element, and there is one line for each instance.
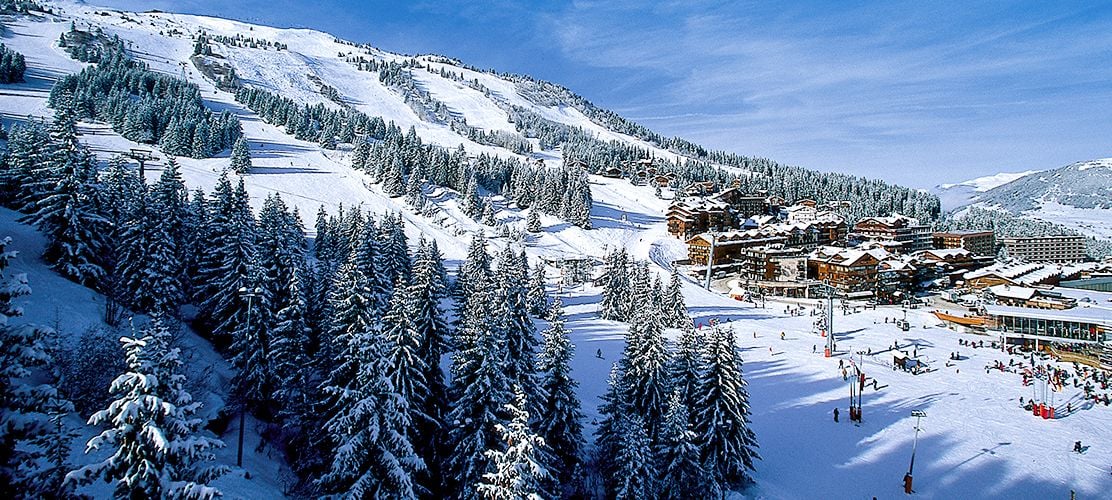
<point>1077,196</point>
<point>963,193</point>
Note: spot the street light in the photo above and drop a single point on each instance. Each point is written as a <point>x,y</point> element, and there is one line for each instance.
<point>710,258</point>
<point>918,414</point>
<point>249,294</point>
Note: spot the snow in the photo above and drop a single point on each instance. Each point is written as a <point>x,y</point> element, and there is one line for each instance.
<point>1096,222</point>
<point>982,184</point>
<point>976,443</point>
<point>1104,162</point>
<point>71,309</point>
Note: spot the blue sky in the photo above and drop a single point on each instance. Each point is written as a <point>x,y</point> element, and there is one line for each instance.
<point>914,92</point>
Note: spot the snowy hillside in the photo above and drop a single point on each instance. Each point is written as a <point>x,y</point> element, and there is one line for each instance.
<point>964,193</point>
<point>978,442</point>
<point>1077,196</point>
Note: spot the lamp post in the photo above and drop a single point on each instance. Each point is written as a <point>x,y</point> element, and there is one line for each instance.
<point>250,295</point>
<point>918,414</point>
<point>710,258</point>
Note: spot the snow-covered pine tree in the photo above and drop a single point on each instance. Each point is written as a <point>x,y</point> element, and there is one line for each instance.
<point>289,350</point>
<point>407,367</point>
<point>359,154</point>
<point>395,262</point>
<point>519,473</point>
<point>431,329</point>
<point>352,305</point>
<point>178,221</point>
<point>684,476</point>
<point>369,425</point>
<point>517,327</point>
<point>608,435</point>
<point>63,205</point>
<point>533,222</point>
<point>49,482</point>
<point>472,205</point>
<point>488,213</point>
<point>473,270</point>
<point>721,416</point>
<point>25,404</point>
<point>615,291</point>
<point>159,448</point>
<point>675,309</point>
<point>559,421</point>
<point>480,388</point>
<point>414,192</point>
<point>645,363</point>
<point>228,264</point>
<point>241,157</point>
<point>195,244</point>
<point>28,151</point>
<point>537,296</point>
<point>687,361</point>
<point>636,463</point>
<point>393,184</point>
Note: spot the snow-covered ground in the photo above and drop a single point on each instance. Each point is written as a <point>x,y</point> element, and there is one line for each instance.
<point>982,184</point>
<point>1096,222</point>
<point>70,310</point>
<point>976,441</point>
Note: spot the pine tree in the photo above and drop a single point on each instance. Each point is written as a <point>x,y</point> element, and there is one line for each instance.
<point>684,476</point>
<point>675,310</point>
<point>645,367</point>
<point>636,472</point>
<point>289,349</point>
<point>608,435</point>
<point>228,265</point>
<point>431,329</point>
<point>615,292</point>
<point>153,428</point>
<point>392,183</point>
<point>517,326</point>
<point>533,222</point>
<point>518,472</point>
<point>24,404</point>
<point>64,207</point>
<point>373,456</point>
<point>475,269</point>
<point>559,421</point>
<point>480,389</point>
<point>414,192</point>
<point>537,296</point>
<point>408,368</point>
<point>686,365</point>
<point>241,157</point>
<point>721,416</point>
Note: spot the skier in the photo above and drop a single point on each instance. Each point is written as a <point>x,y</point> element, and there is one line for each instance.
<point>814,348</point>
<point>836,417</point>
<point>1077,446</point>
<point>598,354</point>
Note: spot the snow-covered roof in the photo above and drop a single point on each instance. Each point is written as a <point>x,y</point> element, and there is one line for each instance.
<point>1013,292</point>
<point>947,253</point>
<point>1092,315</point>
<point>1018,272</point>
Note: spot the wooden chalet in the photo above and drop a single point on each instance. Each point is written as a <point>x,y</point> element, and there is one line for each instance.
<point>728,246</point>
<point>853,272</point>
<point>687,218</point>
<point>612,172</point>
